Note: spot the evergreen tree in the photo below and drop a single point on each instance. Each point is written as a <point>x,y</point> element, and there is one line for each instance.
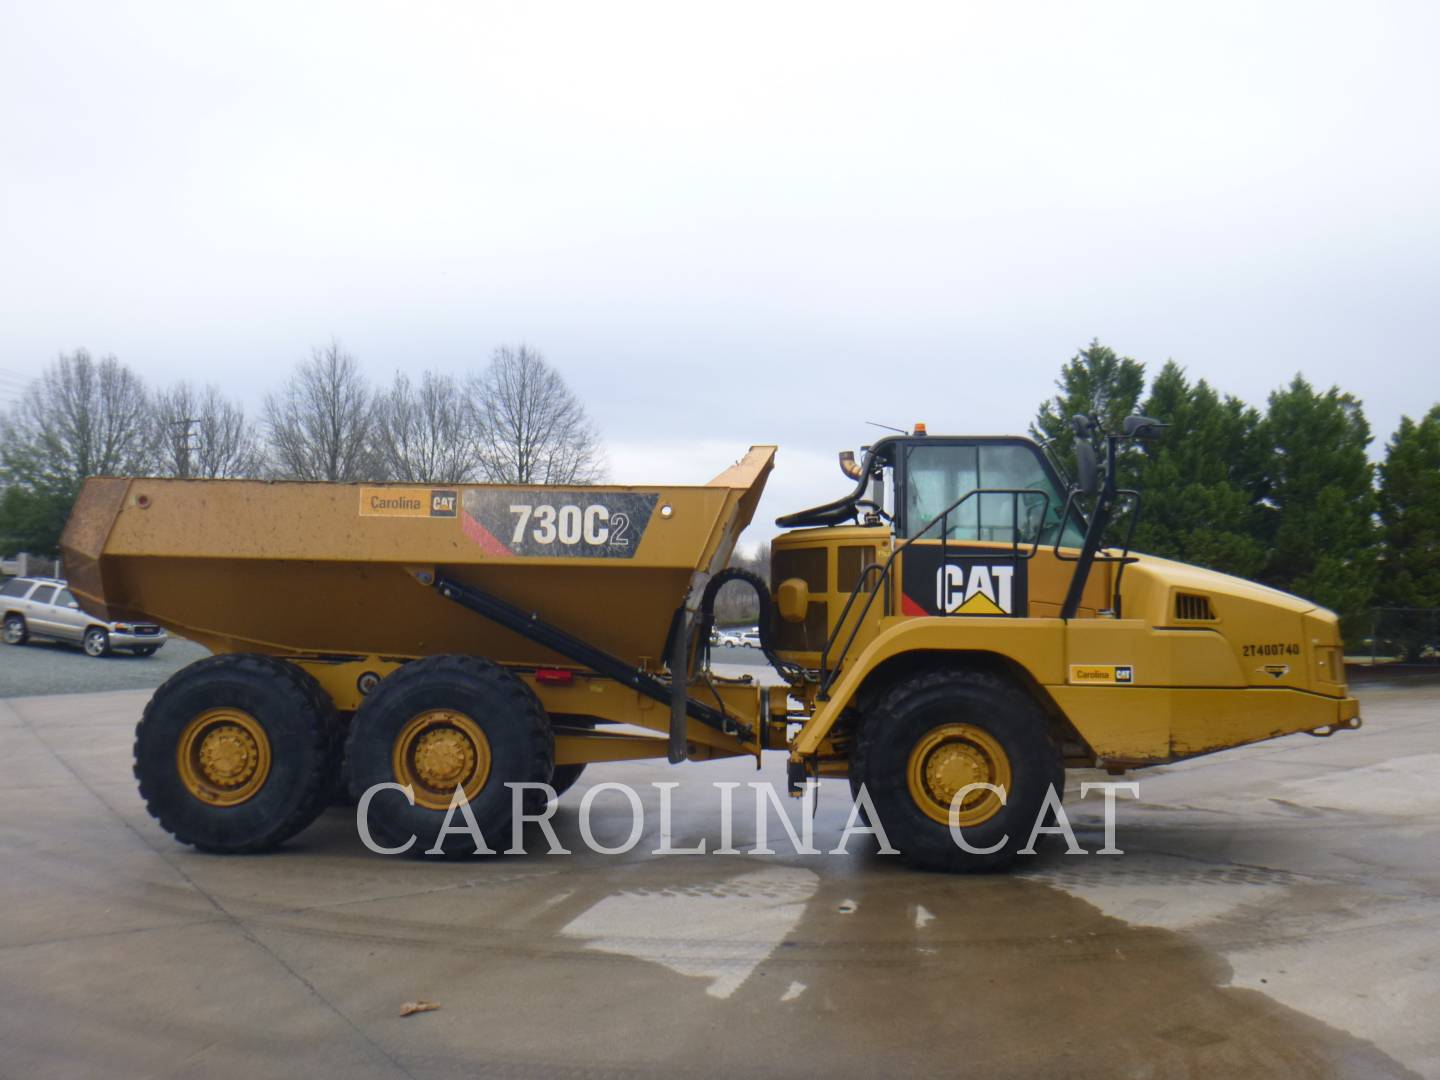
<point>1200,481</point>
<point>32,519</point>
<point>1096,382</point>
<point>1317,518</point>
<point>1410,515</point>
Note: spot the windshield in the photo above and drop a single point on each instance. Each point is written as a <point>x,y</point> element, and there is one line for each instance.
<point>938,474</point>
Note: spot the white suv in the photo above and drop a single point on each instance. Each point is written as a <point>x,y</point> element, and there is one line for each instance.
<point>45,608</point>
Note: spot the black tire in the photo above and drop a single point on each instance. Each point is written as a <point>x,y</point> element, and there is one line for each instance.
<point>298,721</point>
<point>517,732</point>
<point>856,783</point>
<point>96,642</point>
<point>565,777</point>
<point>907,714</point>
<point>148,650</point>
<point>16,632</point>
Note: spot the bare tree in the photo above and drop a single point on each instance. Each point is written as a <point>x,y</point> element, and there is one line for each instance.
<point>426,434</point>
<point>534,430</point>
<point>204,435</point>
<point>81,418</point>
<point>320,425</point>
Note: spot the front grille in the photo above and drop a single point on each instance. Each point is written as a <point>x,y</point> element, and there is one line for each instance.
<point>143,630</point>
<point>1192,607</point>
<point>849,561</point>
<point>807,636</point>
<point>807,564</point>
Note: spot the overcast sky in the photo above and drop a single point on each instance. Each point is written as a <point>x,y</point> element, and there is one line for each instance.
<point>730,223</point>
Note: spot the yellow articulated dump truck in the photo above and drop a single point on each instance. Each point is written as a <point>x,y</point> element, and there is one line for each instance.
<point>952,635</point>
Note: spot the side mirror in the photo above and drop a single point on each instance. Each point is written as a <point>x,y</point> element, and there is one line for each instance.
<point>1086,470</point>
<point>73,604</point>
<point>1087,474</point>
<point>1143,427</point>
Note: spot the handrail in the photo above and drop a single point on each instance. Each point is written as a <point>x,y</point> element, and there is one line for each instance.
<point>1124,558</point>
<point>1060,555</point>
<point>827,677</point>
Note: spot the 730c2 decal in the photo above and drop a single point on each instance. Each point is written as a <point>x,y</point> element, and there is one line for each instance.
<point>553,523</point>
<point>570,524</point>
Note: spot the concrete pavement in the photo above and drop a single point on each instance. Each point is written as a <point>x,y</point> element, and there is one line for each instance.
<point>1275,912</point>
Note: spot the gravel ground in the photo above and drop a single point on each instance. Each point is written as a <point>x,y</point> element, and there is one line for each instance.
<point>46,668</point>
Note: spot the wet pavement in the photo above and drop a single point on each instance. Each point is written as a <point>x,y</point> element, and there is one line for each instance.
<point>1276,911</point>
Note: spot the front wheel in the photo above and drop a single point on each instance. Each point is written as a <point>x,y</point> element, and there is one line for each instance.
<point>16,632</point>
<point>97,642</point>
<point>932,741</point>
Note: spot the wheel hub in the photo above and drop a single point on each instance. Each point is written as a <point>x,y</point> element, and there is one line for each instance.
<point>946,760</point>
<point>443,757</point>
<point>953,766</point>
<point>438,751</point>
<point>228,756</point>
<point>223,757</point>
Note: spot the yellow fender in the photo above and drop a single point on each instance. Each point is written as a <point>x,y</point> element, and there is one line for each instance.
<point>1035,645</point>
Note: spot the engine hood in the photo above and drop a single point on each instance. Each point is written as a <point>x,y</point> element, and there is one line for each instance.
<point>1182,576</point>
<point>1275,639</point>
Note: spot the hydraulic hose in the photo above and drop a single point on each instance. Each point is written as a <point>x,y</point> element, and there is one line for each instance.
<point>766,621</point>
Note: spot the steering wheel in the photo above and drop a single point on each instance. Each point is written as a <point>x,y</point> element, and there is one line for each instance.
<point>880,511</point>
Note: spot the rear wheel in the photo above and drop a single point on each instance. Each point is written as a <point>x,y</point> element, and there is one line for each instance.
<point>97,642</point>
<point>441,724</point>
<point>565,777</point>
<point>932,736</point>
<point>234,753</point>
<point>16,632</point>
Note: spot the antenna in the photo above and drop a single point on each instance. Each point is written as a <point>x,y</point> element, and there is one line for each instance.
<point>887,427</point>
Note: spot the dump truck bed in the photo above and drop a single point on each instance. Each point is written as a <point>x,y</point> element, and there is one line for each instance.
<point>309,568</point>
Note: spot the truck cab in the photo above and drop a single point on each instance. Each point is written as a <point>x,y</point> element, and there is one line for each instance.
<point>974,552</point>
<point>1005,550</point>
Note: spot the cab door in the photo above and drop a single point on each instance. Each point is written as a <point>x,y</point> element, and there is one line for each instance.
<point>992,553</point>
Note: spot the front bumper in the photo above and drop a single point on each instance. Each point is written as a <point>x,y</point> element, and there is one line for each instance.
<point>1347,718</point>
<point>128,639</point>
<point>1347,715</point>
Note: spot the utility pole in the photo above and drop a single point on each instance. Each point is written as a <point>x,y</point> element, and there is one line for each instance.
<point>185,443</point>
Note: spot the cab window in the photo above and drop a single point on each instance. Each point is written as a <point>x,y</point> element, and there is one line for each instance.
<point>43,595</point>
<point>938,474</point>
